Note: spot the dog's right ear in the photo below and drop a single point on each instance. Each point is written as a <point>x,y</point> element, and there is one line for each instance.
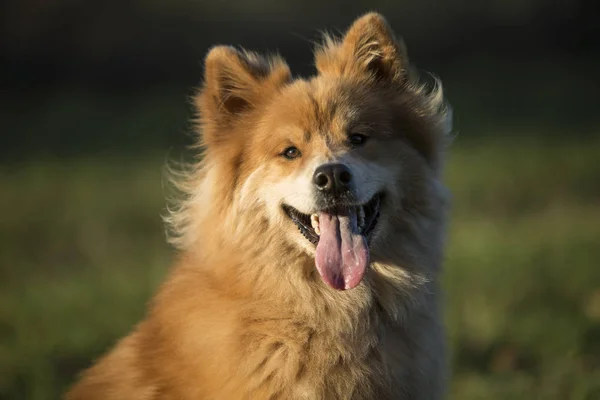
<point>368,50</point>
<point>235,84</point>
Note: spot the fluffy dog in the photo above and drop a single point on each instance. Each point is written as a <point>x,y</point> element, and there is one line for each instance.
<point>310,235</point>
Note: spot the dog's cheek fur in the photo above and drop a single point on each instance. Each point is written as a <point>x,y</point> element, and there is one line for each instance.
<point>236,87</point>
<point>424,120</point>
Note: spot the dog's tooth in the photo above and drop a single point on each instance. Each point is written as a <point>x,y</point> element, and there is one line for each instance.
<point>361,217</point>
<point>314,222</point>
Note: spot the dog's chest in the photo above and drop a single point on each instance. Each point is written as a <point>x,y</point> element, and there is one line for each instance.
<point>288,359</point>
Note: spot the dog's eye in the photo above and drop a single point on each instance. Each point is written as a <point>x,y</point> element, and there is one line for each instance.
<point>291,152</point>
<point>356,139</point>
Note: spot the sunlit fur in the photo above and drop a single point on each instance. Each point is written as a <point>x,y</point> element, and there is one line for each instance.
<point>244,314</point>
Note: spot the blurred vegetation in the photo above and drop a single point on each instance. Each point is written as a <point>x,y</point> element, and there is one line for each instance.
<point>94,99</point>
<point>83,250</point>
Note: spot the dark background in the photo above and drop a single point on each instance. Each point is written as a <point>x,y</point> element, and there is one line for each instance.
<point>94,99</point>
<point>500,60</point>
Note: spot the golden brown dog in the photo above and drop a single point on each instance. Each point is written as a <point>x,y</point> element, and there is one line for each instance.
<point>311,236</point>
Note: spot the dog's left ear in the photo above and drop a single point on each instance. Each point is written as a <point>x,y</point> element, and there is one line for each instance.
<point>235,84</point>
<point>369,49</point>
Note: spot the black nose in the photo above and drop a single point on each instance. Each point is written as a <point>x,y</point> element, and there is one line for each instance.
<point>332,178</point>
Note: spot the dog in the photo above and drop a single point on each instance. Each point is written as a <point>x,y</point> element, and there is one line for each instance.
<point>310,236</point>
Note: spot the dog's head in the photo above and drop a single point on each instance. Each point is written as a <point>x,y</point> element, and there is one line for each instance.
<point>330,161</point>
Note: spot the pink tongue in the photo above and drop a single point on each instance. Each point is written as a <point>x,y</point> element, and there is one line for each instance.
<point>342,253</point>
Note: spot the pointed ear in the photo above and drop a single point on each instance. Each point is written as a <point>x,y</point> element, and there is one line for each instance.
<point>369,49</point>
<point>235,83</point>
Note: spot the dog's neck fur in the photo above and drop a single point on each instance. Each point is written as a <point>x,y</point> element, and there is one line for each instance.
<point>343,333</point>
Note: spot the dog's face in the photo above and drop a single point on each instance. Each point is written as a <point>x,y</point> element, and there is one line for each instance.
<point>329,160</point>
<point>325,162</point>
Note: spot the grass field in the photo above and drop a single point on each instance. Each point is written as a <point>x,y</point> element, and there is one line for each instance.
<point>83,249</point>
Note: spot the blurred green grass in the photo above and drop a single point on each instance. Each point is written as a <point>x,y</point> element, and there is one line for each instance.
<point>83,250</point>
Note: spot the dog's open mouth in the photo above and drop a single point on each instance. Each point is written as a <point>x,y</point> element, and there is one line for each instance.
<point>342,236</point>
